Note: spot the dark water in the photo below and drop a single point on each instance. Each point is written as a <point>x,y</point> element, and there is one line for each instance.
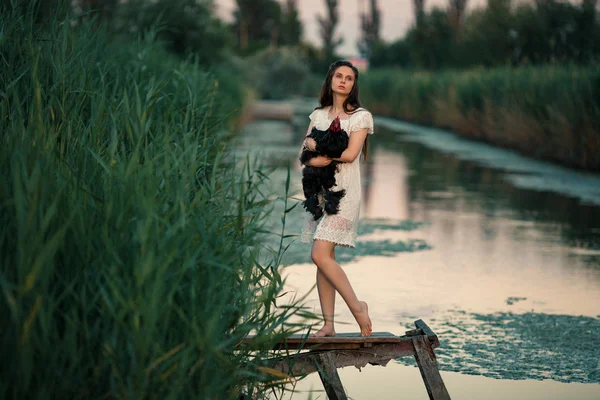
<point>499,254</point>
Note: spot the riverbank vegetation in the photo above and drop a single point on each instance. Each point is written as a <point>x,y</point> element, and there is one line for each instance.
<point>519,75</point>
<point>549,112</point>
<point>130,235</point>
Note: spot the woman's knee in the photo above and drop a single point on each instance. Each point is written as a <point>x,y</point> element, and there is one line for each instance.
<point>320,255</point>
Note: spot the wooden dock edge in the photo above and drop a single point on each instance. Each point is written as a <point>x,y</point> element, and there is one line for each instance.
<point>326,355</point>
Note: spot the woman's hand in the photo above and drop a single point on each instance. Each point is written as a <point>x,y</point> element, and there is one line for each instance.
<point>319,161</point>
<point>310,144</point>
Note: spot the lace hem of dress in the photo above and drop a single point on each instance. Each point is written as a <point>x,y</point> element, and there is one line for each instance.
<point>307,237</point>
<point>333,228</point>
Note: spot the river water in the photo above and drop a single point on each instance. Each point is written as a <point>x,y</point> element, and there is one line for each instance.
<point>499,254</point>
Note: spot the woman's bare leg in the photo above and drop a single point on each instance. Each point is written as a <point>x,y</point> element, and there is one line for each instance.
<point>321,256</point>
<point>327,299</point>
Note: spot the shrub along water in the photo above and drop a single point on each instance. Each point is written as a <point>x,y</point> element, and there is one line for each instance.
<point>549,112</point>
<point>129,237</point>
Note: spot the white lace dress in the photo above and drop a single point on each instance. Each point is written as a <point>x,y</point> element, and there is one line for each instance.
<point>340,228</point>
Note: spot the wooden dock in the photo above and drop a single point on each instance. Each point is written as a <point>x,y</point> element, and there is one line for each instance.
<point>272,109</point>
<point>326,354</point>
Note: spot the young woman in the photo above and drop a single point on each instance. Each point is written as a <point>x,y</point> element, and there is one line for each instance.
<point>339,98</point>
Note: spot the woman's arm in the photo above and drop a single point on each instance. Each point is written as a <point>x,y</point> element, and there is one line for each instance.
<point>318,161</point>
<point>305,143</point>
<point>355,145</point>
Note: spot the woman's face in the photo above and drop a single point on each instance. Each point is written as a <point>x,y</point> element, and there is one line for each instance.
<point>342,81</point>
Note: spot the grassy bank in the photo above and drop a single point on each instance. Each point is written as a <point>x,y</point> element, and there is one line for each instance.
<point>129,238</point>
<point>549,112</point>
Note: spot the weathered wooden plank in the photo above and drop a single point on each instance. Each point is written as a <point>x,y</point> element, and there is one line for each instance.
<point>429,368</point>
<point>272,110</point>
<point>318,346</point>
<point>344,341</point>
<point>379,354</point>
<point>414,332</point>
<point>329,376</point>
<point>420,324</point>
<point>357,335</point>
<point>337,344</point>
<point>340,341</point>
<point>351,337</point>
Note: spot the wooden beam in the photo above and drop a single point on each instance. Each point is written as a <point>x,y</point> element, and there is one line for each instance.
<point>341,341</point>
<point>429,368</point>
<point>420,324</point>
<point>379,354</point>
<point>275,110</point>
<point>329,376</point>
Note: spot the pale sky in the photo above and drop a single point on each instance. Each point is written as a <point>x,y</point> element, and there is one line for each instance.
<point>397,17</point>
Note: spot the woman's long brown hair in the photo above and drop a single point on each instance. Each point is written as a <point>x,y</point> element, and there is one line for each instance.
<point>326,96</point>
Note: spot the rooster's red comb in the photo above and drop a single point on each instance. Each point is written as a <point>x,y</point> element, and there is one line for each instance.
<point>335,125</point>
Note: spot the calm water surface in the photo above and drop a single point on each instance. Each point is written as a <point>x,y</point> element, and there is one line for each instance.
<point>498,254</point>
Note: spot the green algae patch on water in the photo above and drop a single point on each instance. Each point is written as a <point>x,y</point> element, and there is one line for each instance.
<point>371,225</point>
<point>518,346</point>
<point>386,248</point>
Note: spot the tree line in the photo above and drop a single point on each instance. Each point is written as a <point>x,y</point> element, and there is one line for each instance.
<point>503,32</point>
<point>192,26</point>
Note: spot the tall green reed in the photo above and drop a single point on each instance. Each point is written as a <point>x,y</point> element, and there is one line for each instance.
<point>550,112</point>
<point>130,237</point>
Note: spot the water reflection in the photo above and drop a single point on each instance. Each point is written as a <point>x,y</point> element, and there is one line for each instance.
<point>389,197</point>
<point>480,223</point>
<point>441,180</point>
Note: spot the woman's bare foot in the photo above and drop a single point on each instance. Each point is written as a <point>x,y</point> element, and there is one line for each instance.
<point>364,322</point>
<point>324,331</point>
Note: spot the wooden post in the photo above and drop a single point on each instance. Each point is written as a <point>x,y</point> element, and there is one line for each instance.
<point>329,376</point>
<point>429,369</point>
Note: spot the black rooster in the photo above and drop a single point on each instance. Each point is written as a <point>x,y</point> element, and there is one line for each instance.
<point>319,180</point>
